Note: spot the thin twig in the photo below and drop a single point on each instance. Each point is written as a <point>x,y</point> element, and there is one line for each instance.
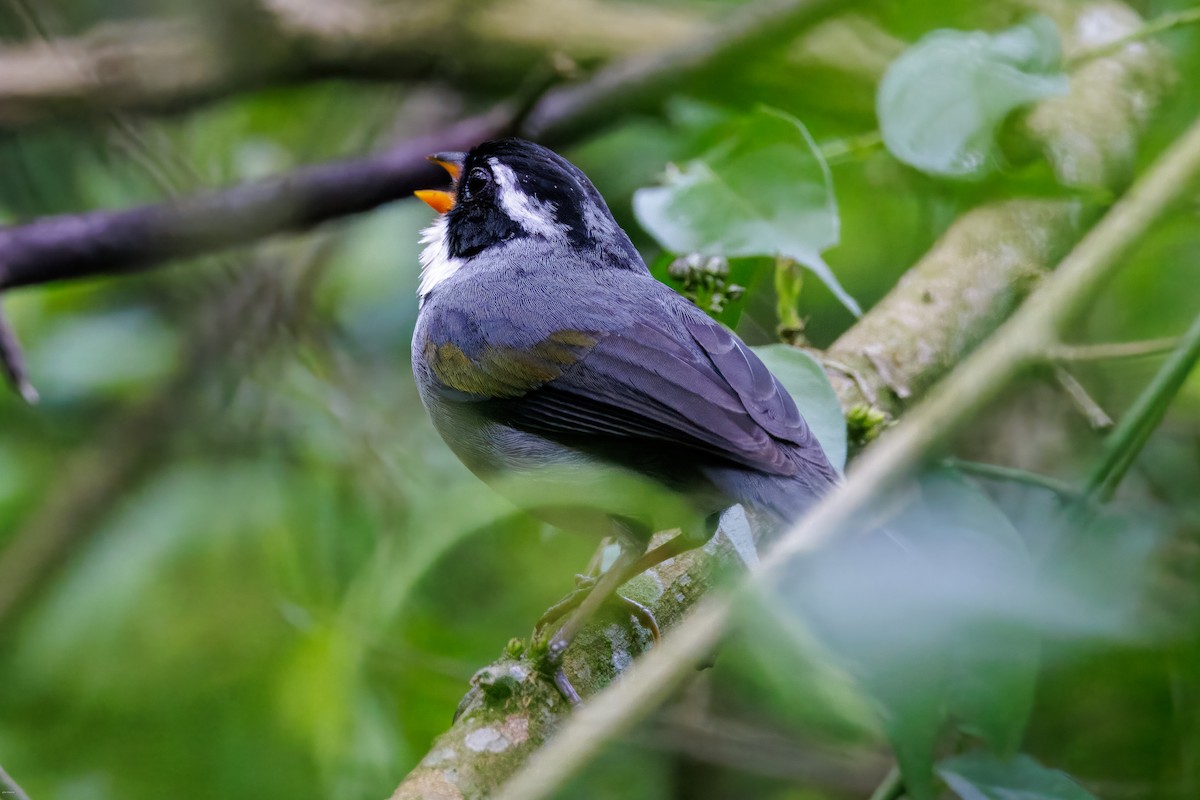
<point>1114,351</point>
<point>1097,418</point>
<point>13,362</point>
<point>9,789</point>
<point>997,472</point>
<point>884,467</point>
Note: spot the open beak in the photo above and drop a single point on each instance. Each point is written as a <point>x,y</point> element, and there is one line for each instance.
<point>442,201</point>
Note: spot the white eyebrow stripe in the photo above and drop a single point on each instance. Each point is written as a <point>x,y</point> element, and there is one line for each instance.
<point>437,265</point>
<point>535,216</point>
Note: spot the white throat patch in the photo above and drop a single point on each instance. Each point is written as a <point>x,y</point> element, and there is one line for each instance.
<point>436,263</point>
<point>535,216</point>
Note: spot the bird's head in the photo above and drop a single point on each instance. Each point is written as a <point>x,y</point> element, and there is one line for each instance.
<point>511,189</point>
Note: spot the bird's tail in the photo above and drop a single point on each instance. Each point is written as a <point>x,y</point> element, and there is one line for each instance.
<point>783,499</point>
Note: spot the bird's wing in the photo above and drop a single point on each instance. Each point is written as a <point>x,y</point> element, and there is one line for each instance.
<point>672,376</point>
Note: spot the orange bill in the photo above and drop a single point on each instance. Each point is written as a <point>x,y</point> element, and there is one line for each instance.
<point>439,201</point>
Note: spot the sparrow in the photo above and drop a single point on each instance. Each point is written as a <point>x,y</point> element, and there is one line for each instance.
<point>562,373</point>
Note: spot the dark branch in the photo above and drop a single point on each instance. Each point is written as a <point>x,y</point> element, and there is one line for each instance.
<point>107,242</point>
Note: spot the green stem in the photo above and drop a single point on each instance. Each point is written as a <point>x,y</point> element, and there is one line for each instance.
<point>851,148</point>
<point>1166,22</point>
<point>891,787</point>
<point>1130,435</point>
<point>997,472</point>
<point>789,280</point>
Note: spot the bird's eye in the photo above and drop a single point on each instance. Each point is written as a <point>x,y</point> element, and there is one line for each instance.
<point>479,180</point>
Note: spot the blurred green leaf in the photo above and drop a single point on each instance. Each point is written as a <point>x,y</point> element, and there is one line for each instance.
<point>941,102</point>
<point>912,718</point>
<point>980,776</point>
<point>99,612</point>
<point>764,191</point>
<point>807,383</point>
<point>793,675</point>
<point>93,354</point>
<point>938,614</point>
<point>990,678</point>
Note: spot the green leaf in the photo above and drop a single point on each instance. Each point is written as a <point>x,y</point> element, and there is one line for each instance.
<point>938,611</point>
<point>912,719</point>
<point>979,672</point>
<point>941,102</point>
<point>980,776</point>
<point>764,191</point>
<point>992,671</point>
<point>806,382</point>
<point>795,679</point>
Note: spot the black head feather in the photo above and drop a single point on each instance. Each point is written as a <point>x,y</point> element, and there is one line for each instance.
<point>556,197</point>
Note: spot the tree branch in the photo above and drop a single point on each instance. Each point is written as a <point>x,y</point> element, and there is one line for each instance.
<point>107,242</point>
<point>174,64</point>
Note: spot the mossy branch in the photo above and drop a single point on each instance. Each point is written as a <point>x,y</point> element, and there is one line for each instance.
<point>171,64</point>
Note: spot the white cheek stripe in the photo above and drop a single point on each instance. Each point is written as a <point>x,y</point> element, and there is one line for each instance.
<point>436,263</point>
<point>535,216</point>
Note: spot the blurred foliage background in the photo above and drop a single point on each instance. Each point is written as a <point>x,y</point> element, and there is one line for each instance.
<point>277,581</point>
